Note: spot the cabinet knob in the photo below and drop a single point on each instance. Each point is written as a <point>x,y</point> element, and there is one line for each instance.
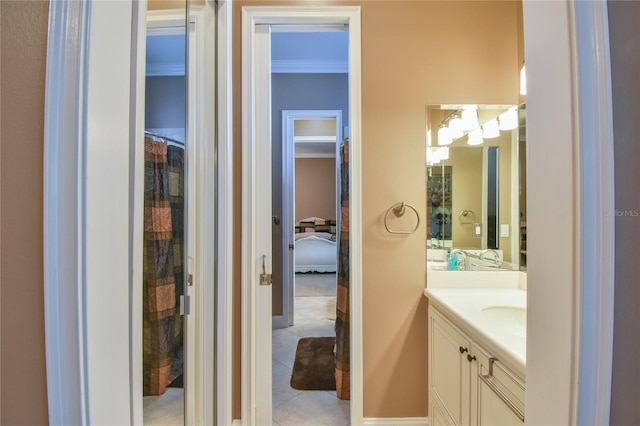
<point>471,358</point>
<point>463,350</point>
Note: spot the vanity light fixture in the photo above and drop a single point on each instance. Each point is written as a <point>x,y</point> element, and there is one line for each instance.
<point>475,137</point>
<point>435,155</point>
<point>455,126</point>
<point>523,81</point>
<point>469,117</point>
<point>509,119</point>
<point>491,129</point>
<point>444,135</point>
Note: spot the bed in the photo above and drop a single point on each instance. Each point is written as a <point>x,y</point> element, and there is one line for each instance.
<point>316,249</point>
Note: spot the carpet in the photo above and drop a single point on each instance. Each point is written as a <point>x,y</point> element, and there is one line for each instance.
<point>315,284</point>
<point>314,367</point>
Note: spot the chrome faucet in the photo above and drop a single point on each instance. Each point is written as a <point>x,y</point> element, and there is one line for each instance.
<point>456,252</point>
<point>496,257</point>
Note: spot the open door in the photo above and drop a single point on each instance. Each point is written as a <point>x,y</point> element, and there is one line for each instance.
<point>256,234</point>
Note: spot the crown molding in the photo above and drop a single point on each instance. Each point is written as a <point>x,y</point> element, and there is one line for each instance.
<point>308,67</point>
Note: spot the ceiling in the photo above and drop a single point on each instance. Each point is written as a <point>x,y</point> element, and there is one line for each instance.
<point>291,52</point>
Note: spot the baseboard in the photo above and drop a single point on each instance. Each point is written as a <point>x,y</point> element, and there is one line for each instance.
<point>236,422</point>
<point>396,421</point>
<point>278,321</point>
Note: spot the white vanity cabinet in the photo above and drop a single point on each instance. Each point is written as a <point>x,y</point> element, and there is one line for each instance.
<point>468,386</point>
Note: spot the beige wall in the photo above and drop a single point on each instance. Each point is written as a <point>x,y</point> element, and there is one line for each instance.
<point>398,80</point>
<point>407,62</point>
<point>23,384</point>
<point>315,188</point>
<point>466,180</point>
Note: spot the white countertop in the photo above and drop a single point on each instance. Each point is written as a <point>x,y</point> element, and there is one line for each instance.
<point>494,328</point>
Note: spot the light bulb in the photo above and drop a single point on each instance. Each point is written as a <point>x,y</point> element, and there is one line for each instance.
<point>475,137</point>
<point>491,129</point>
<point>469,117</point>
<point>455,127</point>
<point>509,119</point>
<point>444,135</point>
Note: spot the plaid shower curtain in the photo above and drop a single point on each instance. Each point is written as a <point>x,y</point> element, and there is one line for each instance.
<point>343,387</point>
<point>162,259</point>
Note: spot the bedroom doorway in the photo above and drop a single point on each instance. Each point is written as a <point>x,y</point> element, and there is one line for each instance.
<point>306,192</point>
<point>257,212</point>
<point>310,188</point>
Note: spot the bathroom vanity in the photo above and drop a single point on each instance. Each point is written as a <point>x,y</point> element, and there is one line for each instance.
<point>476,280</point>
<point>477,349</point>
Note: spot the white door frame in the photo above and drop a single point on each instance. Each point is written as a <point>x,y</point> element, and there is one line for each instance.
<point>288,203</point>
<point>73,345</point>
<point>253,399</point>
<point>93,127</point>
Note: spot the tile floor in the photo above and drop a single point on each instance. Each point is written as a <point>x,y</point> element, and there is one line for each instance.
<point>292,406</point>
<point>313,318</point>
<point>164,410</point>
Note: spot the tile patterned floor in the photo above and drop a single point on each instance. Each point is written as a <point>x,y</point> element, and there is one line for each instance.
<point>292,406</point>
<point>166,409</point>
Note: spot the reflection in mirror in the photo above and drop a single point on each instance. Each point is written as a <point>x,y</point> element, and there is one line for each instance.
<point>475,185</point>
<point>164,333</point>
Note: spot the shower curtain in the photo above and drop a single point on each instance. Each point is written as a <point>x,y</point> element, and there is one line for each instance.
<point>162,260</point>
<point>342,306</point>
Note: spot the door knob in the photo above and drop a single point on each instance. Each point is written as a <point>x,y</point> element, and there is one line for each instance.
<point>276,220</point>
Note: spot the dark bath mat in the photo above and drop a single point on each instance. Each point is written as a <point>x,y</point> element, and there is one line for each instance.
<point>315,365</point>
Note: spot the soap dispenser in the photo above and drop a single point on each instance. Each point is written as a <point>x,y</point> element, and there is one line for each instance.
<point>452,261</point>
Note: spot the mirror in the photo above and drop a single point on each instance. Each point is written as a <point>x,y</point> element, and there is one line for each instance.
<point>475,183</point>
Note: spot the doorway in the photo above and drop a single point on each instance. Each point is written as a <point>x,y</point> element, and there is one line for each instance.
<point>164,332</point>
<point>308,238</point>
<point>257,211</point>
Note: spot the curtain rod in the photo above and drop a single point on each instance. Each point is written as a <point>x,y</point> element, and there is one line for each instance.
<point>163,137</point>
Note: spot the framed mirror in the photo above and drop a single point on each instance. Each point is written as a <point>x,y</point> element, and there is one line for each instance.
<point>475,183</point>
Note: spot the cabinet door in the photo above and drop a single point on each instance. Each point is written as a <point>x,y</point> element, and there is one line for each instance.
<point>497,394</point>
<point>437,417</point>
<point>449,372</point>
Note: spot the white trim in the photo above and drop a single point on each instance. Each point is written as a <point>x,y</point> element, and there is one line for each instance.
<point>300,15</point>
<point>167,22</point>
<point>597,207</point>
<point>315,155</point>
<point>314,139</point>
<point>136,166</point>
<point>165,69</point>
<point>256,225</point>
<point>396,421</point>
<point>224,213</point>
<point>288,195</point>
<point>514,218</point>
<point>63,286</point>
<point>309,66</point>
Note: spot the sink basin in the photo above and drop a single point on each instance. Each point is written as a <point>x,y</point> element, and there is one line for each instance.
<point>514,315</point>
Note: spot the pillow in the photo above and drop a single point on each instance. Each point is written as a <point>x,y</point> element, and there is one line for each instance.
<point>314,219</point>
<point>300,235</point>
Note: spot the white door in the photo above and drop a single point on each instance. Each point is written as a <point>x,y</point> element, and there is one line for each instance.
<point>256,200</point>
<point>257,258</point>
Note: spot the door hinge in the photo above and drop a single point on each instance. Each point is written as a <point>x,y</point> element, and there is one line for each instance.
<point>190,279</point>
<point>185,305</point>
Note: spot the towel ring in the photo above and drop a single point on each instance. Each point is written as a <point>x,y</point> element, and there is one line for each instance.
<point>465,213</point>
<point>399,210</point>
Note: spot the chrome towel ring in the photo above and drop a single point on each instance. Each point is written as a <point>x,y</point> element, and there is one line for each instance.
<point>472,217</point>
<point>398,210</point>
